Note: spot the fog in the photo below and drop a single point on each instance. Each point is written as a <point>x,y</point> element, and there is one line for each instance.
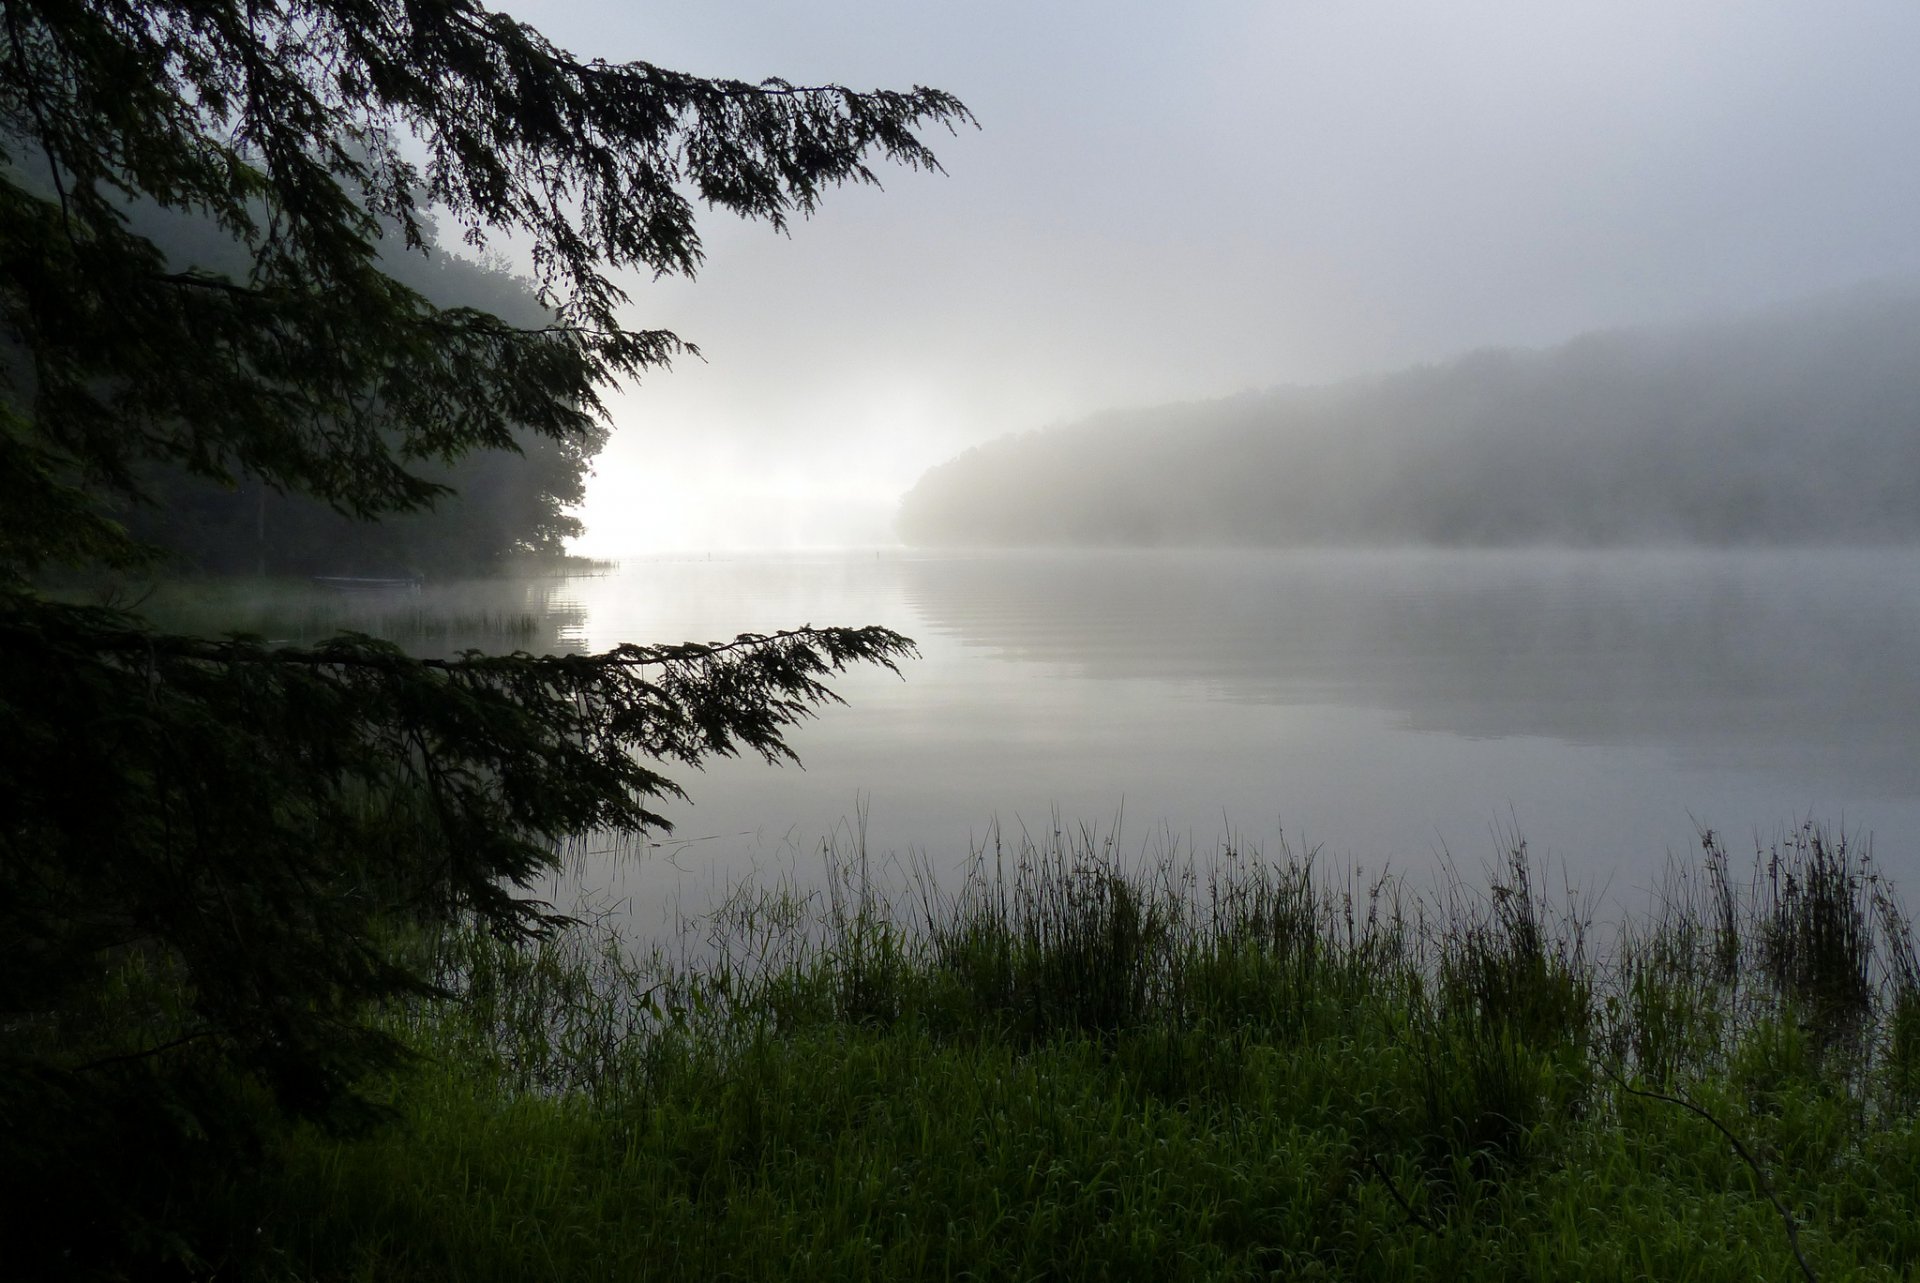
<point>1176,204</point>
<point>1796,425</point>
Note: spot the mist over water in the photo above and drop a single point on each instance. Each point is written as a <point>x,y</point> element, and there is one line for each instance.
<point>1393,708</point>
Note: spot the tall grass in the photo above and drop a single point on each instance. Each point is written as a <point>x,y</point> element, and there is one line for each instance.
<point>1074,1064</point>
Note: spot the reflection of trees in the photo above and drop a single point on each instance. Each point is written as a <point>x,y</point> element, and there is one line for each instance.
<point>441,620</point>
<point>1777,657</point>
<point>435,619</point>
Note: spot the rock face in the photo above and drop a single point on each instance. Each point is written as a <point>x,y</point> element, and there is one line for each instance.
<point>1801,425</point>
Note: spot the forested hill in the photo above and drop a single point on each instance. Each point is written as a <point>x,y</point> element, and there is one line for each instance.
<point>1798,425</point>
<point>503,502</point>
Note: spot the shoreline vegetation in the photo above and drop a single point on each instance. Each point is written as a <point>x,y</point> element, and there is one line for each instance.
<point>1075,1067</point>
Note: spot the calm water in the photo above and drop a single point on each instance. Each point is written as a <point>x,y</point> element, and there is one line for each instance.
<point>1389,708</point>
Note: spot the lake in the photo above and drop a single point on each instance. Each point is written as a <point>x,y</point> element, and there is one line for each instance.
<point>1393,709</point>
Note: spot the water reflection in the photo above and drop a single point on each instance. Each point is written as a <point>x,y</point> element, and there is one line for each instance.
<point>1797,661</point>
<point>1391,705</point>
<point>538,614</point>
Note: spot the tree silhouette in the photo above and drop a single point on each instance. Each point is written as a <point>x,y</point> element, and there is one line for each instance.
<point>205,842</point>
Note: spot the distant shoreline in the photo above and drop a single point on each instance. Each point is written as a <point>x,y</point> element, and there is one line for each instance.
<point>1796,426</point>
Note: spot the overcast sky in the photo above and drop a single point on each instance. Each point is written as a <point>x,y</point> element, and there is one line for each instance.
<point>1175,202</point>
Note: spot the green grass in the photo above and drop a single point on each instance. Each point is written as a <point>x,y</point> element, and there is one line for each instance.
<point>1069,1068</point>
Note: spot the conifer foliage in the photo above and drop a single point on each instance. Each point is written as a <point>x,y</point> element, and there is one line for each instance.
<point>205,842</point>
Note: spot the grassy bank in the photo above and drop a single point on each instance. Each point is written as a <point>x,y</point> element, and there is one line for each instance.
<point>1075,1069</point>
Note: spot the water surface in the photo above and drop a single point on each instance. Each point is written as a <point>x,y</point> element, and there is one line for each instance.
<point>1394,709</point>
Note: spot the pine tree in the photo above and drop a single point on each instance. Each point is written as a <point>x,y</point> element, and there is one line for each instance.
<point>204,842</point>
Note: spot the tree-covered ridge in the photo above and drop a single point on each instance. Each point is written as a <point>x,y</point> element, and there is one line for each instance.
<point>1801,425</point>
<point>495,503</point>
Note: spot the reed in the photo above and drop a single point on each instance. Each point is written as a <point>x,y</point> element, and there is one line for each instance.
<point>1075,1064</point>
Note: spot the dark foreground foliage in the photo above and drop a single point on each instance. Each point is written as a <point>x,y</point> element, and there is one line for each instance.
<point>212,847</point>
<point>209,847</point>
<point>1076,1068</point>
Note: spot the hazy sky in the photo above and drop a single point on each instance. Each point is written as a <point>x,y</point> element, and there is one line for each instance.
<point>1173,202</point>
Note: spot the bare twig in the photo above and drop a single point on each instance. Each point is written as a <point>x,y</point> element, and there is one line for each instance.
<point>1740,1148</point>
<point>145,1052</point>
<point>1414,1215</point>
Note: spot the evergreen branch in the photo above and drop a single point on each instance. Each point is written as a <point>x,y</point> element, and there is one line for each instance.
<point>18,45</point>
<point>436,317</point>
<point>772,88</point>
<point>871,644</point>
<point>145,1053</point>
<point>261,819</point>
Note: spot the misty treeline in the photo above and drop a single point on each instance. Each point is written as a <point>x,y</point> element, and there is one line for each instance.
<point>499,502</point>
<point>1800,425</point>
